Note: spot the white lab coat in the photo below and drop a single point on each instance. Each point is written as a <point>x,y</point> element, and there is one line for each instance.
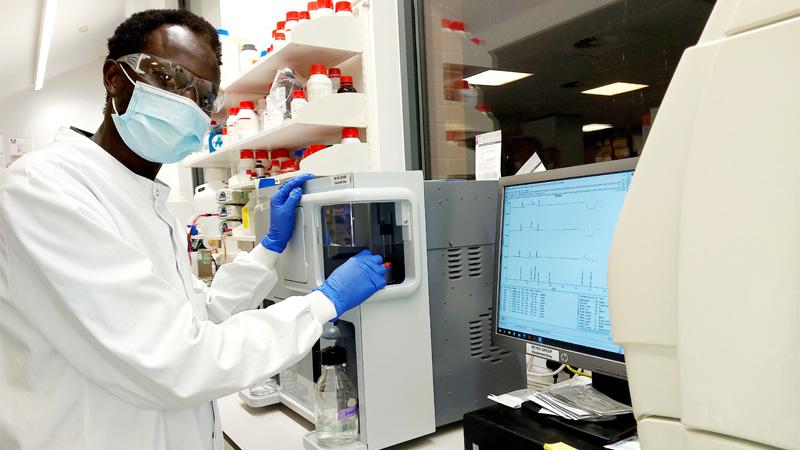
<point>107,341</point>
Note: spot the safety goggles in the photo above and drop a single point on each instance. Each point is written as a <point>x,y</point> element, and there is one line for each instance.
<point>164,74</point>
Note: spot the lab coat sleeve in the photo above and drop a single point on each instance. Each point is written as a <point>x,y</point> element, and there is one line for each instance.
<point>241,284</point>
<point>122,326</point>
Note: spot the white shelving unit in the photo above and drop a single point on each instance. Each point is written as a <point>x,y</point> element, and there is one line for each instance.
<point>319,122</point>
<point>458,117</point>
<point>460,51</point>
<point>326,40</point>
<point>337,159</point>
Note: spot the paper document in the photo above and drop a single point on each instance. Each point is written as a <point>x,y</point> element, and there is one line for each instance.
<point>533,164</point>
<point>631,443</point>
<point>488,152</point>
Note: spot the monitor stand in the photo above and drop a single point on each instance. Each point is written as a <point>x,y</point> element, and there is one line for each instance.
<point>605,430</point>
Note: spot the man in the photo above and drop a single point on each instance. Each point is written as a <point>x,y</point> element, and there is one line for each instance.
<point>107,340</point>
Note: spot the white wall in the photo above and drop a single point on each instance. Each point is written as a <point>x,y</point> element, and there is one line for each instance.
<point>76,98</point>
<point>72,98</point>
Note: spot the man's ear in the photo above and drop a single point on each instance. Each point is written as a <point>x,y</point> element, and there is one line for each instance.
<point>113,79</point>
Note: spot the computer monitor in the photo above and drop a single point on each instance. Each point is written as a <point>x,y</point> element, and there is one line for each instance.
<point>554,235</point>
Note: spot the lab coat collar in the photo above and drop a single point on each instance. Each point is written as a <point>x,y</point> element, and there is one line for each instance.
<point>68,136</point>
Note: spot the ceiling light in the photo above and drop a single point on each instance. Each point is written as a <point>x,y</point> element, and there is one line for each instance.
<point>496,77</point>
<point>615,88</point>
<point>589,127</point>
<point>45,38</point>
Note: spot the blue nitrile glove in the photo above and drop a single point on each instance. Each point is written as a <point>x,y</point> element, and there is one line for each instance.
<point>282,210</point>
<point>355,281</point>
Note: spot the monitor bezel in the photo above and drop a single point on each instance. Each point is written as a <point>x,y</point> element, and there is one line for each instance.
<point>585,357</point>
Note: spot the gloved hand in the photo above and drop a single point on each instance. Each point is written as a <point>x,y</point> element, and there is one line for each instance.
<point>355,281</point>
<point>282,212</point>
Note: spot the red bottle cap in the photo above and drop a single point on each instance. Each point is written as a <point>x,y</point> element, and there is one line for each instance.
<point>246,154</point>
<point>299,93</point>
<point>303,15</point>
<point>291,15</point>
<point>312,6</point>
<point>346,79</point>
<point>213,122</point>
<point>279,36</point>
<point>462,84</point>
<point>483,107</point>
<point>319,69</point>
<point>334,72</point>
<point>349,133</point>
<point>290,164</point>
<point>476,41</point>
<point>343,6</point>
<point>281,25</point>
<point>457,25</point>
<point>280,153</point>
<point>247,104</point>
<point>224,131</point>
<point>325,4</point>
<point>313,149</point>
<point>262,154</point>
<point>232,111</point>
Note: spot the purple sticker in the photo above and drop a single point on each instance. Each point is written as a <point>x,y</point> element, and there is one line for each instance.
<point>347,413</point>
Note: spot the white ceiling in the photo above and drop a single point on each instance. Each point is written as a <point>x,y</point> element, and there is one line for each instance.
<point>71,48</point>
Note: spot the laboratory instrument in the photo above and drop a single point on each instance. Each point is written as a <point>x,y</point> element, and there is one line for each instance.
<point>388,338</point>
<point>703,272</point>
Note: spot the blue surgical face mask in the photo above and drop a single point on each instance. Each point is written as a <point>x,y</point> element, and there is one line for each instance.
<point>160,126</point>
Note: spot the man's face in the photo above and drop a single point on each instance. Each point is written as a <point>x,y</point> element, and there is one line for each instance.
<point>175,43</point>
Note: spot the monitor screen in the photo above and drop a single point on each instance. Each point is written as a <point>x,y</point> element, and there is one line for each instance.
<point>554,247</point>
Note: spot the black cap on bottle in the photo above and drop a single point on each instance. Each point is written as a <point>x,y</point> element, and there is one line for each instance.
<point>332,356</point>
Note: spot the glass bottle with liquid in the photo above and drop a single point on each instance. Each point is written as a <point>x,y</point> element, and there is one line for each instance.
<point>336,401</point>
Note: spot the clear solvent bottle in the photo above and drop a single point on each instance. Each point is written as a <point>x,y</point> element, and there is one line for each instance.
<point>336,401</point>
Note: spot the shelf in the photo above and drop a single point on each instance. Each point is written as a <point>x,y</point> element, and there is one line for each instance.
<point>337,159</point>
<point>319,122</point>
<point>243,238</point>
<point>460,51</point>
<point>244,186</point>
<point>326,40</point>
<point>458,117</point>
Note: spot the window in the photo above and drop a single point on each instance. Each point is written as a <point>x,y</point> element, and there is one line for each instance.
<point>587,77</point>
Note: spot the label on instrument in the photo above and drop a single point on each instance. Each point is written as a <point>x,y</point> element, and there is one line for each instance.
<point>338,180</point>
<point>542,352</point>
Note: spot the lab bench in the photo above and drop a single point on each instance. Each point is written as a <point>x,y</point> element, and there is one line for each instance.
<point>279,428</point>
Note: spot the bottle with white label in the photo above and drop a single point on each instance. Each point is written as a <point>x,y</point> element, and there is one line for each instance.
<point>291,21</point>
<point>335,74</point>
<point>298,101</point>
<point>324,8</point>
<point>230,124</point>
<point>319,85</point>
<point>468,94</point>
<point>336,404</point>
<point>350,136</point>
<point>344,9</point>
<point>247,122</point>
<point>313,10</point>
<point>303,17</point>
<point>248,57</point>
